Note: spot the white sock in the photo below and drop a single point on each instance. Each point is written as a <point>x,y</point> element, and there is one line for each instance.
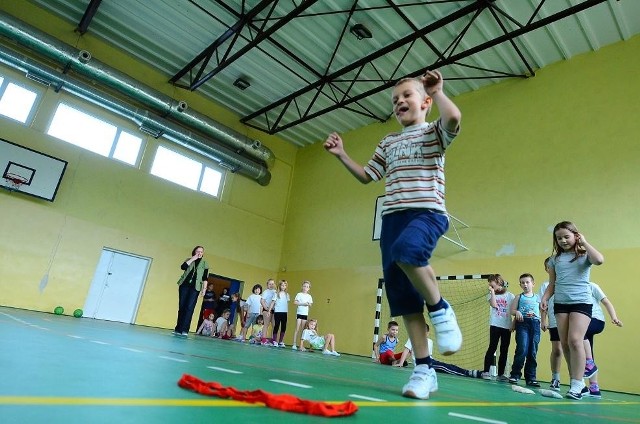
<point>577,385</point>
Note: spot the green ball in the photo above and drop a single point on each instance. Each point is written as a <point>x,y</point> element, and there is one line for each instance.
<point>59,310</point>
<point>77,313</point>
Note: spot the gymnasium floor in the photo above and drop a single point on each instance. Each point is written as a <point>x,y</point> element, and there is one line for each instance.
<point>59,369</point>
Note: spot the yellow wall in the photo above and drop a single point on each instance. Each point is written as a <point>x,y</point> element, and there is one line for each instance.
<point>561,145</point>
<point>104,203</point>
<point>532,152</point>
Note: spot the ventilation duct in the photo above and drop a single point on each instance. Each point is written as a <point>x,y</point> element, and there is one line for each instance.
<point>231,149</point>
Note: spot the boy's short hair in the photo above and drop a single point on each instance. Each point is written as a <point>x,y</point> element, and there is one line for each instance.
<point>525,275</point>
<point>391,324</point>
<point>417,81</point>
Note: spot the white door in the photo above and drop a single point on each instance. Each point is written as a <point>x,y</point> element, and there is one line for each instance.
<point>117,285</point>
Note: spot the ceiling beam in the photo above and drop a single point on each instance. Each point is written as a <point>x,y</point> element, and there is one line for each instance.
<point>471,8</point>
<point>259,38</point>
<point>452,59</point>
<point>206,54</point>
<point>88,15</point>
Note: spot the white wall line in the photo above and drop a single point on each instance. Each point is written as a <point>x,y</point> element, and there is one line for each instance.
<point>74,336</point>
<point>131,349</point>
<point>99,342</point>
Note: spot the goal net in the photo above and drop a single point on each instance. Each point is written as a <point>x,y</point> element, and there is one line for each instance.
<point>467,294</point>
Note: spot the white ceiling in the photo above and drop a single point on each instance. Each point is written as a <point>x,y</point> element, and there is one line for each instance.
<point>309,75</point>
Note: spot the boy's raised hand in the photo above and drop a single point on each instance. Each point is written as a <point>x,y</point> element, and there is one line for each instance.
<point>433,82</point>
<point>333,144</point>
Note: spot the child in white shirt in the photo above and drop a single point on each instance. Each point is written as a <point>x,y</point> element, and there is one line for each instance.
<point>302,300</point>
<point>253,306</point>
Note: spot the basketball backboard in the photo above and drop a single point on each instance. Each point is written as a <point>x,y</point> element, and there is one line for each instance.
<point>30,172</point>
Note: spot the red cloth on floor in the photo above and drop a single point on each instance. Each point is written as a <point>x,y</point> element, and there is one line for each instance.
<point>283,402</point>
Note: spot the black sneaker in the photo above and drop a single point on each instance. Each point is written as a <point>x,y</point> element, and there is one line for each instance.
<point>594,393</point>
<point>574,395</point>
<point>555,385</point>
<point>590,370</point>
<point>513,380</point>
<point>533,383</point>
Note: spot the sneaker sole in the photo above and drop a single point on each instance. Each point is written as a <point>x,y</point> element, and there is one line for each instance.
<point>411,394</point>
<point>573,396</point>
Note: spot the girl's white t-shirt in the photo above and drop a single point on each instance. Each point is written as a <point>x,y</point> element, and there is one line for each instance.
<point>253,304</point>
<point>282,300</point>
<point>501,316</point>
<point>303,298</point>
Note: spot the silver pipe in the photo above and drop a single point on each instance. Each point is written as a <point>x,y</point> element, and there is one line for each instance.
<point>81,62</point>
<point>224,156</point>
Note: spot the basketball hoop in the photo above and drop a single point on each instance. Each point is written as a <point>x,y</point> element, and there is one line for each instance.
<point>14,182</point>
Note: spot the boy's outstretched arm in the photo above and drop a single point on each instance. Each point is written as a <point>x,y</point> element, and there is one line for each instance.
<point>333,144</point>
<point>449,112</point>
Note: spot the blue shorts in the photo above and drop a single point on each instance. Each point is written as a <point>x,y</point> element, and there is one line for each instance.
<point>595,327</point>
<point>409,237</point>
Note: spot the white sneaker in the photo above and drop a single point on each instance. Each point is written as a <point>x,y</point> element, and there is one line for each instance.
<point>334,353</point>
<point>275,343</point>
<point>422,382</point>
<point>282,345</point>
<point>294,347</point>
<point>448,335</point>
<point>326,352</point>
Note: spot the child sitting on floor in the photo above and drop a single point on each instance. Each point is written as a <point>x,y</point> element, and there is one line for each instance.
<point>206,328</point>
<point>310,334</point>
<point>224,330</point>
<point>257,330</point>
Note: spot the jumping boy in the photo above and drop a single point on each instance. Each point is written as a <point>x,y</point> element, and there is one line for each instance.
<point>414,216</point>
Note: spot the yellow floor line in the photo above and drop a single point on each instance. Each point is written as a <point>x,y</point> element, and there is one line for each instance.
<point>81,401</point>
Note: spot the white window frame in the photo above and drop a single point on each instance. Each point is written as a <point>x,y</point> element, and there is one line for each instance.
<point>34,107</point>
<point>83,109</point>
<point>204,165</point>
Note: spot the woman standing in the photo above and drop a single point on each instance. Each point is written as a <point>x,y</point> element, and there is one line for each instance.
<point>190,284</point>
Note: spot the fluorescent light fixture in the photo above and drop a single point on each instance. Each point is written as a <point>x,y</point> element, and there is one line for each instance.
<point>360,31</point>
<point>242,83</point>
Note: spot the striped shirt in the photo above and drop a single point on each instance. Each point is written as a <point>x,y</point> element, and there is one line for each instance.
<point>413,163</point>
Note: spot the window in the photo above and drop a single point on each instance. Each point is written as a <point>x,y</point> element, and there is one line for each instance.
<point>16,102</point>
<point>187,172</point>
<point>96,135</point>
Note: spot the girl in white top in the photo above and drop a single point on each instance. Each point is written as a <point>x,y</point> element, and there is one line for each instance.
<point>327,343</point>
<point>302,300</point>
<point>280,310</point>
<point>499,325</point>
<point>253,305</point>
<point>268,301</point>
